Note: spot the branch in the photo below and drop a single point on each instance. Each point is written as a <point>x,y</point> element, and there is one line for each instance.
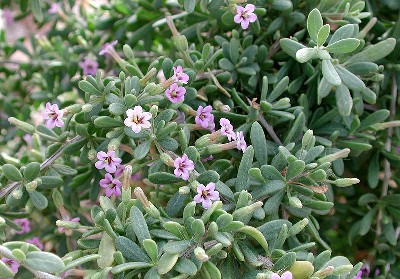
<point>269,129</point>
<point>11,186</point>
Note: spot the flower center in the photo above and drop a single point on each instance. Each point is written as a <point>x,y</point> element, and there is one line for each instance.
<point>204,193</point>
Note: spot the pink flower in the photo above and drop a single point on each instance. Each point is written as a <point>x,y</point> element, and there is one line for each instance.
<point>180,76</point>
<point>245,15</point>
<point>204,117</point>
<point>89,66</point>
<point>227,129</point>
<point>24,224</point>
<point>108,48</point>
<point>209,158</point>
<point>76,220</point>
<point>137,119</point>
<point>12,264</point>
<point>8,16</point>
<point>240,142</point>
<point>54,8</point>
<point>112,185</point>
<point>107,161</point>
<point>35,241</point>
<point>206,194</point>
<point>52,114</point>
<point>286,275</point>
<point>175,93</point>
<point>182,167</point>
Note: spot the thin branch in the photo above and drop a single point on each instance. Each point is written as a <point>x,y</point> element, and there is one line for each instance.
<point>269,129</point>
<point>11,186</point>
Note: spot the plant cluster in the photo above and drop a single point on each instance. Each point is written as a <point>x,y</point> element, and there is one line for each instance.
<point>200,139</point>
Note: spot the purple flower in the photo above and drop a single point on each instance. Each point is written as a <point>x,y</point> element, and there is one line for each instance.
<point>89,66</point>
<point>137,119</point>
<point>12,264</point>
<point>358,275</point>
<point>52,114</point>
<point>285,275</point>
<point>54,8</point>
<point>206,194</point>
<point>76,220</point>
<point>204,117</point>
<point>227,129</point>
<point>35,241</point>
<point>112,185</point>
<point>245,15</point>
<point>179,75</point>
<point>240,142</point>
<point>108,48</point>
<point>182,167</point>
<point>209,158</point>
<point>107,161</point>
<point>24,224</point>
<point>8,16</point>
<point>175,93</point>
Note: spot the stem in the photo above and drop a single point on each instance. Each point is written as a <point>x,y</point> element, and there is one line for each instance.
<point>388,144</point>
<point>11,186</point>
<point>269,129</point>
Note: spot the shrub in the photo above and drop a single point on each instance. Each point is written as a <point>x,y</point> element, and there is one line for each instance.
<point>200,139</point>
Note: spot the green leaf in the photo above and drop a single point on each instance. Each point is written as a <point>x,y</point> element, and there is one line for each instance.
<point>314,24</point>
<point>373,171</point>
<point>107,122</point>
<point>330,73</point>
<point>151,248</point>
<point>117,109</point>
<point>38,200</point>
<point>185,266</point>
<point>350,79</point>
<point>257,235</point>
<point>257,137</point>
<point>130,250</point>
<point>207,177</point>
<point>75,147</point>
<point>243,171</point>
<point>139,224</point>
<point>128,266</point>
<point>6,271</point>
<point>12,173</point>
<point>163,178</point>
<point>344,32</point>
<point>344,101</point>
<point>295,168</point>
<point>176,247</point>
<point>268,188</point>
<point>305,54</point>
<point>37,10</point>
<point>106,251</point>
<point>64,170</point>
<point>31,171</point>
<point>279,89</point>
<point>285,262</point>
<point>343,46</point>
<point>88,88</point>
<point>374,52</point>
<point>44,261</point>
<point>142,149</point>
<point>290,47</point>
<point>323,34</point>
<point>374,118</point>
<point>167,262</point>
<point>189,5</point>
<point>365,224</point>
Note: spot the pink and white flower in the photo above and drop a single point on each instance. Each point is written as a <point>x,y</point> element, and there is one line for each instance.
<point>227,129</point>
<point>180,76</point>
<point>76,220</point>
<point>137,119</point>
<point>240,142</point>
<point>24,224</point>
<point>112,185</point>
<point>183,165</point>
<point>12,264</point>
<point>89,66</point>
<point>35,241</point>
<point>54,7</point>
<point>206,194</point>
<point>245,15</point>
<point>204,117</point>
<point>107,161</point>
<point>175,93</point>
<point>52,114</point>
<point>285,275</point>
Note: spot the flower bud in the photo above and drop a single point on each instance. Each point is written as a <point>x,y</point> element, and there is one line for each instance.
<point>203,141</point>
<point>295,202</point>
<point>31,186</point>
<point>87,107</point>
<point>74,108</point>
<point>307,138</point>
<point>114,144</point>
<point>154,110</point>
<point>67,224</point>
<point>332,157</point>
<point>200,254</point>
<point>17,193</point>
<point>218,105</point>
<point>26,127</point>
<point>19,255</point>
<point>92,154</point>
<point>153,89</point>
<point>302,270</point>
<point>166,159</point>
<point>344,182</point>
<point>147,205</point>
<point>184,190</point>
